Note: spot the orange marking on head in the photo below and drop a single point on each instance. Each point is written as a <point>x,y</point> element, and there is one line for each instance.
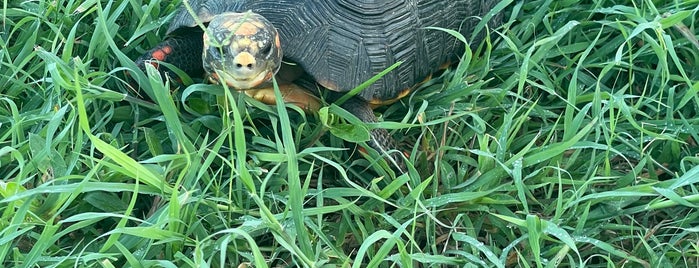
<point>242,43</point>
<point>213,78</point>
<point>247,28</point>
<point>268,77</point>
<point>277,42</point>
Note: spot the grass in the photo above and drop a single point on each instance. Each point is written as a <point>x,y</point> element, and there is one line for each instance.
<point>568,139</point>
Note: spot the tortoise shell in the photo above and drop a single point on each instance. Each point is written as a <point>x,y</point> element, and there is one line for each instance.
<point>343,43</point>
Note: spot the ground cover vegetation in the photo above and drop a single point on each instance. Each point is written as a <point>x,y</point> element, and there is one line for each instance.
<point>567,138</point>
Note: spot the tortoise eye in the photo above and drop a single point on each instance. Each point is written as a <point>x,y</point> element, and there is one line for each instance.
<point>214,52</point>
<point>266,49</point>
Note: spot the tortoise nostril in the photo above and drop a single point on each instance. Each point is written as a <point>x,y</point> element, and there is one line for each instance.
<point>248,66</point>
<point>244,62</point>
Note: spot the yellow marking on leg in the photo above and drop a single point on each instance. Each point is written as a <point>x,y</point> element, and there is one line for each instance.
<point>291,93</point>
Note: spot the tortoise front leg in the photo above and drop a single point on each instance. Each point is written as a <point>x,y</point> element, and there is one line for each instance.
<point>182,51</point>
<point>291,93</point>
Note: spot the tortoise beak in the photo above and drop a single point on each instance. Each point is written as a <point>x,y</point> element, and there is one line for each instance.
<point>240,78</point>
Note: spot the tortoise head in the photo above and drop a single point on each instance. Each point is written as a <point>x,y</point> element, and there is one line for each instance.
<point>241,50</point>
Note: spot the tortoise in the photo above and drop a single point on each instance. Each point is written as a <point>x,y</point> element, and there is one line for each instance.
<point>338,44</point>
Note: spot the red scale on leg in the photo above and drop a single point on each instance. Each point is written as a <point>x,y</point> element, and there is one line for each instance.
<point>161,53</point>
<point>182,51</point>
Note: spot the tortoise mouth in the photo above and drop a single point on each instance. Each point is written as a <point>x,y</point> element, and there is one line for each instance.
<point>240,82</point>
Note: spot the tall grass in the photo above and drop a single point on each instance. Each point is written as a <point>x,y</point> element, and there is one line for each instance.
<point>567,138</point>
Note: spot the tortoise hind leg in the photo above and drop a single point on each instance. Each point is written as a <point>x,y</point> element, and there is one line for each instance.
<point>380,140</point>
